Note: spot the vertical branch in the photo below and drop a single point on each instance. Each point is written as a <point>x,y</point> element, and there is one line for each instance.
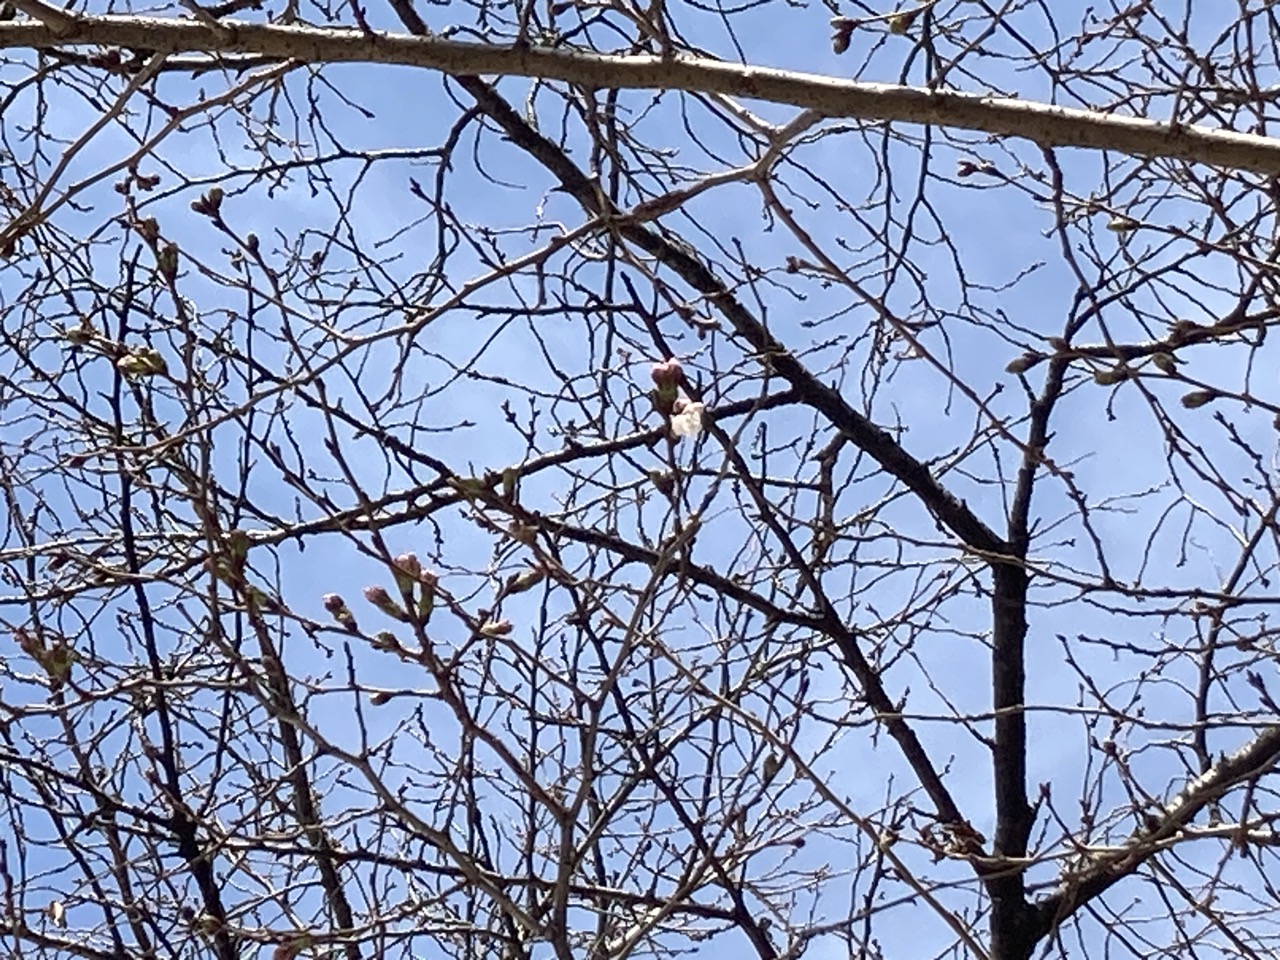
<point>1012,929</point>
<point>1010,938</point>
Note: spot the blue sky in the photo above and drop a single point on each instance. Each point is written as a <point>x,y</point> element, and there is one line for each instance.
<point>998,230</point>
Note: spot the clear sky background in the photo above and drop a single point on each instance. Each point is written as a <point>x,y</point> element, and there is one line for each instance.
<point>976,261</point>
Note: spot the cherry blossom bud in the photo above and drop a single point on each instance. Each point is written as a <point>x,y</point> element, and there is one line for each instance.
<point>1198,398</point>
<point>209,204</point>
<point>1111,377</point>
<point>428,579</point>
<point>148,229</point>
<point>667,373</point>
<point>663,480</point>
<point>667,376</point>
<point>900,23</point>
<point>338,608</point>
<point>406,569</point>
<point>525,581</point>
<point>167,262</point>
<point>379,597</point>
<point>57,664</point>
<point>1024,363</point>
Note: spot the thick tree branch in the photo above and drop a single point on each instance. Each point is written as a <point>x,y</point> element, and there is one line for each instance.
<point>1021,119</point>
<point>1014,931</point>
<point>1253,760</point>
<point>59,21</point>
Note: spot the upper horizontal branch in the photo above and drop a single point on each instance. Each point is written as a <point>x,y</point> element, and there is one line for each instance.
<point>1041,123</point>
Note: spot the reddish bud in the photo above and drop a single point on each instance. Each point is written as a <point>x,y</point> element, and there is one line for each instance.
<point>408,562</point>
<point>377,595</point>
<point>667,373</point>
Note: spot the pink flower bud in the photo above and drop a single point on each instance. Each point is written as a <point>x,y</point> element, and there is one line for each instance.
<point>667,373</point>
<point>333,603</point>
<point>408,562</point>
<point>379,597</point>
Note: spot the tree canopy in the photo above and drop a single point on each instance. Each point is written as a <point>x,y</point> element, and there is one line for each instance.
<point>594,479</point>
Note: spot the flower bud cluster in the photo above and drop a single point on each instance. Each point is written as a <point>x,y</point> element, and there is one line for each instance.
<point>683,415</point>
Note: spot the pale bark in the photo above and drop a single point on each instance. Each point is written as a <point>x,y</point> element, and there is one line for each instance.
<point>1044,124</point>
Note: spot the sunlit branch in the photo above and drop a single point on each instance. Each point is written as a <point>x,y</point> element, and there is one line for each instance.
<point>1041,123</point>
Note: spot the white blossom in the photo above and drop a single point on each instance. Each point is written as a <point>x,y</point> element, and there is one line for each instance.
<point>688,422</point>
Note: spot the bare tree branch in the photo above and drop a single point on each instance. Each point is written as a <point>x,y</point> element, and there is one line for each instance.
<point>1046,125</point>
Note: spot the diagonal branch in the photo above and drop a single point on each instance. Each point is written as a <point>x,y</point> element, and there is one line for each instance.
<point>1256,758</point>
<point>1040,123</point>
<point>950,511</point>
<point>809,390</point>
